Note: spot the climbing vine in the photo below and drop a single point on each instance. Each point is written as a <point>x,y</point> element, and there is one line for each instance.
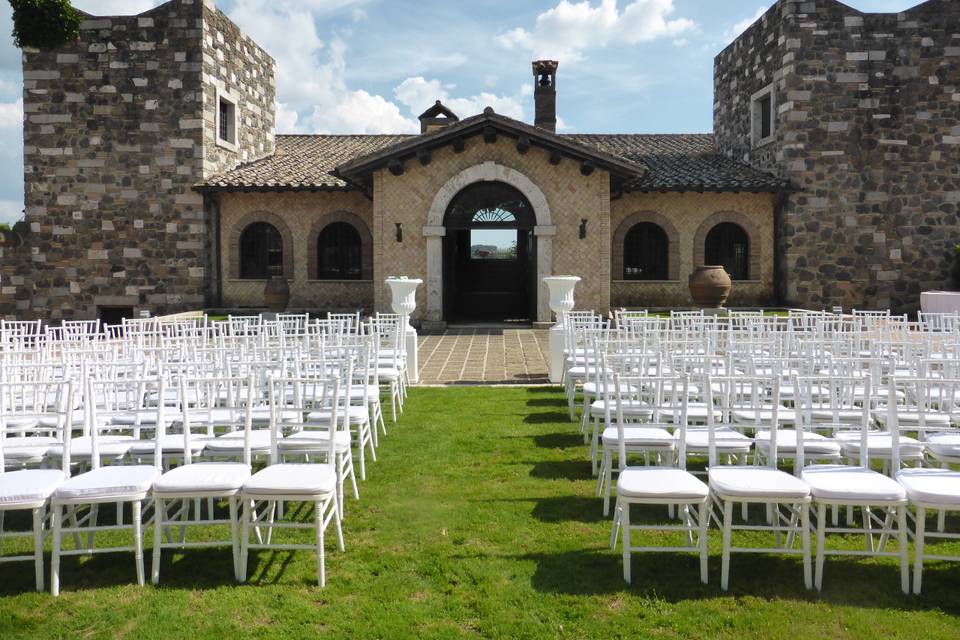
<point>44,24</point>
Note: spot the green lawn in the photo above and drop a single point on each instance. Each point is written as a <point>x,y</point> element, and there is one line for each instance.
<point>479,520</point>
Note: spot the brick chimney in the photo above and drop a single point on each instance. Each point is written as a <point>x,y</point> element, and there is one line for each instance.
<point>545,94</point>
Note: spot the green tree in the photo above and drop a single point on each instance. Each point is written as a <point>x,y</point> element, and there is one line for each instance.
<point>44,24</point>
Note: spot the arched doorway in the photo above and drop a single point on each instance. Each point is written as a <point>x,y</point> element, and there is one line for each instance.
<point>489,255</point>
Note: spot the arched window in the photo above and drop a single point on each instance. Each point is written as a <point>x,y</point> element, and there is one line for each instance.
<point>338,252</point>
<point>261,252</point>
<point>646,253</point>
<point>727,244</point>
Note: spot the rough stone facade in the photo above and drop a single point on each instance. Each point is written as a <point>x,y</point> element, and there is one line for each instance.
<point>686,218</point>
<point>118,129</point>
<point>867,130</point>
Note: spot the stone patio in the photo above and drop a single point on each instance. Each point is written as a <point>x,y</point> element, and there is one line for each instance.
<point>484,355</point>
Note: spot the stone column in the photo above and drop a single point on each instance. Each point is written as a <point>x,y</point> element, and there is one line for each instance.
<point>544,234</point>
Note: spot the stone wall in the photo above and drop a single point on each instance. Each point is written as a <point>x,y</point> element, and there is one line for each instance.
<point>868,132</point>
<point>300,217</point>
<point>569,196</point>
<point>687,218</point>
<point>114,141</point>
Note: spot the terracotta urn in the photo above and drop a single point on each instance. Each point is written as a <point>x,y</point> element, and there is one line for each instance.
<point>276,294</point>
<point>710,286</point>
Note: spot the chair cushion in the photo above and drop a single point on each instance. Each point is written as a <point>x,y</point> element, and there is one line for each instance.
<point>108,482</point>
<point>82,447</point>
<point>853,484</point>
<point>171,442</point>
<point>944,444</point>
<point>912,418</point>
<point>313,441</point>
<point>358,415</point>
<point>231,443</point>
<point>203,477</point>
<point>813,443</point>
<point>24,455</point>
<point>630,408</point>
<point>27,441</point>
<point>727,440</point>
<point>931,486</point>
<point>880,444</point>
<point>18,423</point>
<point>292,479</point>
<point>749,416</point>
<point>29,486</point>
<point>592,388</point>
<point>640,437</point>
<point>660,482</point>
<point>756,482</point>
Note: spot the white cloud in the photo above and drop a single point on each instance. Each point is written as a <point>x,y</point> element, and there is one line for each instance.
<point>116,7</point>
<point>11,211</point>
<point>11,114</point>
<point>418,93</point>
<point>568,30</point>
<point>738,28</point>
<point>286,119</point>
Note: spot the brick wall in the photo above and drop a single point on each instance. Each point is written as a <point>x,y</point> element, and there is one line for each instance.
<point>570,196</point>
<point>868,131</point>
<point>300,217</point>
<point>686,218</point>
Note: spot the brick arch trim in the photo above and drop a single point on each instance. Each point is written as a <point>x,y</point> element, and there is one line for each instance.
<point>673,242</point>
<point>260,216</point>
<point>753,236</point>
<point>366,242</point>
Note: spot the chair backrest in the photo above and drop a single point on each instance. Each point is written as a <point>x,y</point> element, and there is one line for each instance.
<point>107,399</point>
<point>28,408</point>
<point>662,396</point>
<point>214,404</point>
<point>297,404</point>
<point>725,393</point>
<point>834,404</point>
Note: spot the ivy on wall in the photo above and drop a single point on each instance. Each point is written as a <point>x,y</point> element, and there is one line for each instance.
<point>44,24</point>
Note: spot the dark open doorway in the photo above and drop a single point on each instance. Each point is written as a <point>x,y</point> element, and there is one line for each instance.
<point>489,255</point>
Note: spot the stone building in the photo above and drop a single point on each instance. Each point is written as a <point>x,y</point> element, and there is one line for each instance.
<point>155,181</point>
<point>860,113</point>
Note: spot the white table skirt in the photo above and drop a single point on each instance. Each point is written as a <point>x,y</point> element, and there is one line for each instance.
<point>940,301</point>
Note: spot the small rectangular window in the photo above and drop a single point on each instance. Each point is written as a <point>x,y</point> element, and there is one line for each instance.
<point>226,121</point>
<point>493,244</point>
<point>762,116</point>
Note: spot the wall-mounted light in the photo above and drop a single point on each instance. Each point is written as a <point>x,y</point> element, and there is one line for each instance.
<point>583,228</point>
<point>399,226</point>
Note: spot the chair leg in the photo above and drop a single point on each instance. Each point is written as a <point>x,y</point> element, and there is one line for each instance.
<point>805,541</point>
<point>725,556</point>
<point>318,508</point>
<point>138,540</point>
<point>821,542</point>
<point>904,551</point>
<point>703,514</point>
<point>244,539</point>
<point>615,525</point>
<point>234,536</point>
<point>37,545</point>
<point>607,476</point>
<point>919,540</point>
<point>159,515</point>
<point>55,517</point>
<point>625,527</point>
<point>338,523</point>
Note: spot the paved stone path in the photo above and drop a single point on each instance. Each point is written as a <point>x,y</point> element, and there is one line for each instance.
<point>465,356</point>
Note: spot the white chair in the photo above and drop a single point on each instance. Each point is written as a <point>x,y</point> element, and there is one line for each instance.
<point>660,485</point>
<point>853,487</point>
<point>103,484</point>
<point>763,485</point>
<point>313,483</point>
<point>21,407</point>
<point>228,402</point>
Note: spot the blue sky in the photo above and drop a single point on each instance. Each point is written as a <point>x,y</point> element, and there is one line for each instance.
<point>371,66</point>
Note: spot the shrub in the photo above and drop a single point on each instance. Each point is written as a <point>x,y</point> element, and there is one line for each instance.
<point>44,24</point>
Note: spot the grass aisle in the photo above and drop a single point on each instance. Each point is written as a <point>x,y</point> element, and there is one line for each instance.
<point>479,520</point>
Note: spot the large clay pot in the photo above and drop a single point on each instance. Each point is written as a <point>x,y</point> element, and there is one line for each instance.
<point>710,286</point>
<point>276,294</point>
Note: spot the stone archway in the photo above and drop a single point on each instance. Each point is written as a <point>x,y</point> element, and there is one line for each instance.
<point>435,231</point>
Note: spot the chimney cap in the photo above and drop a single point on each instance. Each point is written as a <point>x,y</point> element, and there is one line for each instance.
<point>436,117</point>
<point>545,66</point>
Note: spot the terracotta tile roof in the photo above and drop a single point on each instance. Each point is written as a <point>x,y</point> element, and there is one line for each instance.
<point>302,162</point>
<point>682,162</point>
<point>674,162</point>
